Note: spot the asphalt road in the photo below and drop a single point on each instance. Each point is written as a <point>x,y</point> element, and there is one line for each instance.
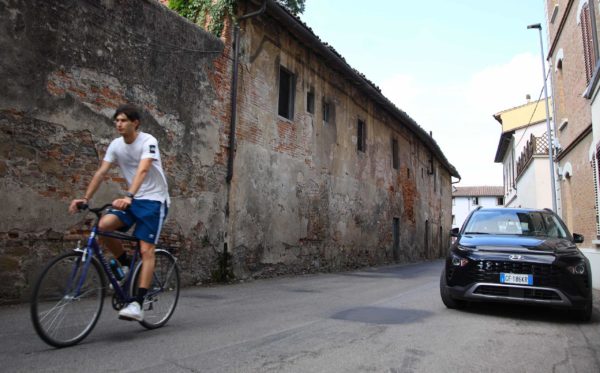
<point>386,319</point>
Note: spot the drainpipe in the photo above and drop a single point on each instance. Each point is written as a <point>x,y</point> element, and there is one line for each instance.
<point>236,57</point>
<point>234,79</point>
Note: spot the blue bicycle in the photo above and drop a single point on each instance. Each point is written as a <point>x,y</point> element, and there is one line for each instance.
<point>68,295</point>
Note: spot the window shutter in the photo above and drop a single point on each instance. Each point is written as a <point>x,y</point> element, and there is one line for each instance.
<point>596,185</point>
<point>588,48</point>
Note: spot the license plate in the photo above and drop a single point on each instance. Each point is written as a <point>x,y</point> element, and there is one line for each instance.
<point>513,278</point>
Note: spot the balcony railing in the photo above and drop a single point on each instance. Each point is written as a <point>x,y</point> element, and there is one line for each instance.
<point>534,146</point>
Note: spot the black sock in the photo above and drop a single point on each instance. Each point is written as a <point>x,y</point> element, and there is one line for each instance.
<point>140,295</point>
<point>124,259</point>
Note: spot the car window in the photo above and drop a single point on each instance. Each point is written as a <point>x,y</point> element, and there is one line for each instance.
<point>533,223</point>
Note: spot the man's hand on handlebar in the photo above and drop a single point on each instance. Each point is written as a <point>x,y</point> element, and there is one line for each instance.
<point>76,204</point>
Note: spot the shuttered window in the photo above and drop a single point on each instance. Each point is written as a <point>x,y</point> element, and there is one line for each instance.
<point>588,46</point>
<point>596,185</point>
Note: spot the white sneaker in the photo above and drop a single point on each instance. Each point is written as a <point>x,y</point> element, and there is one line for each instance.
<point>133,312</point>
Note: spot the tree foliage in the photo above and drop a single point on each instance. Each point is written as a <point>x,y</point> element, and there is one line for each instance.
<point>294,6</point>
<point>199,11</point>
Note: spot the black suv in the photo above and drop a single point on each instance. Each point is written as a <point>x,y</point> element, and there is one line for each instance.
<point>517,255</point>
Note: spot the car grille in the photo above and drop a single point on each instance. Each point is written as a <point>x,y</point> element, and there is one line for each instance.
<point>489,271</point>
<point>511,292</point>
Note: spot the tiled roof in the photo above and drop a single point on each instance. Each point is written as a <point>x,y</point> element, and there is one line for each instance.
<point>478,191</point>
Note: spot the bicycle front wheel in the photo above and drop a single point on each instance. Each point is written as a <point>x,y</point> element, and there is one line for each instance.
<point>66,301</point>
<point>163,293</point>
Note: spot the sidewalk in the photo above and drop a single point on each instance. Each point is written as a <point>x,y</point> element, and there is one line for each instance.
<point>596,294</point>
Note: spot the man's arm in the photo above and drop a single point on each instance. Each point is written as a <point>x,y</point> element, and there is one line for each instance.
<point>92,187</point>
<point>138,179</point>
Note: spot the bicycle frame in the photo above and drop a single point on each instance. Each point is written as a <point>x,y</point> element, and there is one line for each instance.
<point>93,249</point>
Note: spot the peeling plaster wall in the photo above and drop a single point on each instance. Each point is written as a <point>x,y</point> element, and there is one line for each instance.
<point>65,67</point>
<point>303,197</point>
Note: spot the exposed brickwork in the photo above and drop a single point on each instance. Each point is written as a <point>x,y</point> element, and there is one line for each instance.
<point>302,198</point>
<point>577,191</point>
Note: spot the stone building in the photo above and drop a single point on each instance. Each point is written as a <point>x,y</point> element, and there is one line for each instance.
<point>327,174</point>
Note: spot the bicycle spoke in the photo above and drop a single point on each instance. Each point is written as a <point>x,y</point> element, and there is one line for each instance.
<point>68,319</point>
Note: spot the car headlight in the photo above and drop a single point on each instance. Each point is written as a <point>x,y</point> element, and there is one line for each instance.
<point>464,248</point>
<point>457,261</point>
<point>578,269</point>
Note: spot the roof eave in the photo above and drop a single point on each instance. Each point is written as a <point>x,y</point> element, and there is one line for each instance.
<point>307,36</point>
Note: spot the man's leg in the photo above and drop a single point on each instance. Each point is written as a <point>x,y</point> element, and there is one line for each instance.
<point>135,310</point>
<point>148,261</point>
<point>109,223</point>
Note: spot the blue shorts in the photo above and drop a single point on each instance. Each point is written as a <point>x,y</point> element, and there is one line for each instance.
<point>148,217</point>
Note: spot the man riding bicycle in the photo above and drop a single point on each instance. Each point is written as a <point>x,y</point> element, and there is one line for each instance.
<point>144,205</point>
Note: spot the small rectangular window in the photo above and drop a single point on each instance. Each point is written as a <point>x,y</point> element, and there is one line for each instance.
<point>395,161</point>
<point>476,200</point>
<point>286,93</point>
<point>310,101</point>
<point>500,201</point>
<point>361,136</point>
<point>326,111</point>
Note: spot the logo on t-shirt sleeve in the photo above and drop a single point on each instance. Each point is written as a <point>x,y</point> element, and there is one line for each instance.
<point>153,149</point>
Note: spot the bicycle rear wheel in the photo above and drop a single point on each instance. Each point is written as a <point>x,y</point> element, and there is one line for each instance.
<point>61,314</point>
<point>163,293</point>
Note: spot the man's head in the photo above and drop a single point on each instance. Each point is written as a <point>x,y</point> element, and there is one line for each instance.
<point>128,112</point>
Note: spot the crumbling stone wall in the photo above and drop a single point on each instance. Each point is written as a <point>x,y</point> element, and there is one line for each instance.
<point>304,198</point>
<point>65,67</point>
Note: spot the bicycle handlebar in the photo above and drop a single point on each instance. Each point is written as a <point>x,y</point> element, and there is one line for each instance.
<point>97,210</point>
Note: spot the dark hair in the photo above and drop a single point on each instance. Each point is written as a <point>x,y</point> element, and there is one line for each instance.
<point>131,112</point>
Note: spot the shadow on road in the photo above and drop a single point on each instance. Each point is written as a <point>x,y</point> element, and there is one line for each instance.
<point>527,312</point>
<point>382,315</point>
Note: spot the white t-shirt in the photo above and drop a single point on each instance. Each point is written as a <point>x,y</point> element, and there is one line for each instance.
<point>128,157</point>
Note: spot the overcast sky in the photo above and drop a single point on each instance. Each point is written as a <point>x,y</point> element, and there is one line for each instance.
<point>449,64</point>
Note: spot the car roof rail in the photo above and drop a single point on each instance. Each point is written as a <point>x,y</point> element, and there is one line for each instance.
<point>478,208</point>
<point>548,209</point>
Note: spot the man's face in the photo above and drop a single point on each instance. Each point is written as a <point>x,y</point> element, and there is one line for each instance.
<point>125,126</point>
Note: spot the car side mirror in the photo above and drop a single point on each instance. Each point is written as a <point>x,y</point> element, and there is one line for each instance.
<point>454,232</point>
<point>578,238</point>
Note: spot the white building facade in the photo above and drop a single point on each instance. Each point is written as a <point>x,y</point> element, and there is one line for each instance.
<point>467,199</point>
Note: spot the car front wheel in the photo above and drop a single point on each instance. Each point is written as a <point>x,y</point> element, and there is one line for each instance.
<point>584,314</point>
<point>446,297</point>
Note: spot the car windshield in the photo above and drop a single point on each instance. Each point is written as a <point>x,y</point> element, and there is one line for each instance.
<point>528,223</point>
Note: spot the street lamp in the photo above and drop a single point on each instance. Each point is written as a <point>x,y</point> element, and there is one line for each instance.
<point>548,130</point>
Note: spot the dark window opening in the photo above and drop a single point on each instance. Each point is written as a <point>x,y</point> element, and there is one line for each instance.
<point>396,248</point>
<point>395,162</point>
<point>310,101</point>
<point>475,200</point>
<point>286,93</point>
<point>500,201</point>
<point>327,112</point>
<point>361,141</point>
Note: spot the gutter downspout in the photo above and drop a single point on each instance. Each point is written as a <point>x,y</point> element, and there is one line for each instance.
<point>229,177</point>
<point>234,79</point>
